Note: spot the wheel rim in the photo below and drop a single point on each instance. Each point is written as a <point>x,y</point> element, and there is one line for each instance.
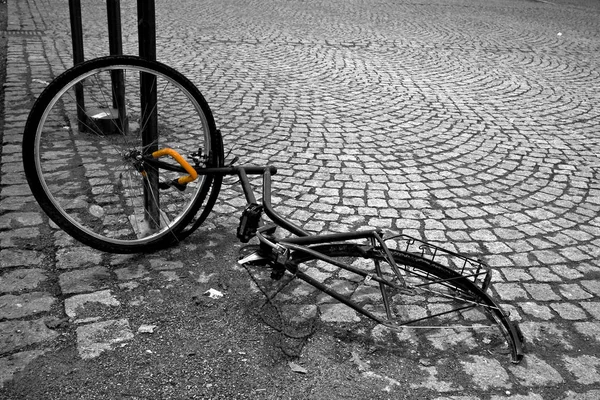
<point>90,175</point>
<point>437,305</point>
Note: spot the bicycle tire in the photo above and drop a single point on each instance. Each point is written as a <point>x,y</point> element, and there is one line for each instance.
<point>84,162</point>
<point>426,279</point>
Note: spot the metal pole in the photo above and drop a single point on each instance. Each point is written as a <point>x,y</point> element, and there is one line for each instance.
<point>148,98</point>
<point>115,41</point>
<point>115,44</point>
<point>78,57</point>
<point>147,29</point>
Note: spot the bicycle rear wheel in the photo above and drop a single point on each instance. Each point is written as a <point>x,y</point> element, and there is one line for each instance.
<point>436,301</point>
<point>84,146</point>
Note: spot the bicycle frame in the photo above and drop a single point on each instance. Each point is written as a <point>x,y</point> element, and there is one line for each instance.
<point>280,253</point>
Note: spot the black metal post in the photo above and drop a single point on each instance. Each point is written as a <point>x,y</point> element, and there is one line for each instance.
<point>115,41</point>
<point>78,57</point>
<point>115,44</point>
<point>147,29</point>
<point>148,98</point>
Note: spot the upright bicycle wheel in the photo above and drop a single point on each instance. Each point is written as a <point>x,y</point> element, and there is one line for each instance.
<point>86,145</point>
<point>423,297</point>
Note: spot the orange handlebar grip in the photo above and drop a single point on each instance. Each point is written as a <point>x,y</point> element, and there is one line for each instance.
<point>177,157</point>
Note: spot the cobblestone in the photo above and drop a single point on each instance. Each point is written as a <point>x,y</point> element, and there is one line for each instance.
<point>22,279</point>
<point>77,257</point>
<point>541,291</point>
<point>25,305</point>
<point>19,258</point>
<point>337,313</point>
<point>17,334</point>
<point>535,372</point>
<point>84,280</point>
<point>487,373</point>
<point>97,337</point>
<point>76,306</point>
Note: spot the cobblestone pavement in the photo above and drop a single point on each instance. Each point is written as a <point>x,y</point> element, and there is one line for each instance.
<point>473,125</point>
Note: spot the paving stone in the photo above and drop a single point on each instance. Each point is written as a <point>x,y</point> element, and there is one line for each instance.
<point>299,313</point>
<point>326,266</point>
<point>574,254</point>
<point>162,265</point>
<point>128,285</point>
<point>25,305</point>
<point>411,311</point>
<point>21,279</point>
<point>592,286</point>
<point>15,190</point>
<point>337,313</point>
<point>302,289</point>
<point>530,396</point>
<point>95,338</point>
<point>548,257</point>
<point>516,275</point>
<point>566,272</point>
<point>16,334</point>
<point>510,291</point>
<point>13,363</point>
<point>569,311</point>
<point>77,257</point>
<point>13,203</point>
<point>367,294</point>
<point>588,395</point>
<point>131,272</point>
<point>317,274</point>
<point>541,291</point>
<point>170,276</point>
<point>123,259</point>
<point>62,240</point>
<point>432,382</point>
<point>588,269</point>
<point>543,274</point>
<point>84,280</point>
<point>342,287</point>
<point>535,372</point>
<point>585,368</point>
<point>445,339</point>
<point>15,237</point>
<point>589,329</point>
<point>593,307</point>
<point>537,310</point>
<point>19,258</point>
<point>19,219</point>
<point>85,306</point>
<point>573,291</point>
<point>546,335</point>
<point>486,373</point>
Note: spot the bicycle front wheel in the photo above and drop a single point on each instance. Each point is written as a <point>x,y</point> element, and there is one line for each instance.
<point>86,141</point>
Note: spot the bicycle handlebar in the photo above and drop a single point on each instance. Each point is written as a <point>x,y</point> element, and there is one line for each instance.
<point>242,172</point>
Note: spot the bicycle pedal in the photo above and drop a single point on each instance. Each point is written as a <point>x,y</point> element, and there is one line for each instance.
<point>253,259</point>
<point>252,255</point>
<point>249,222</point>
